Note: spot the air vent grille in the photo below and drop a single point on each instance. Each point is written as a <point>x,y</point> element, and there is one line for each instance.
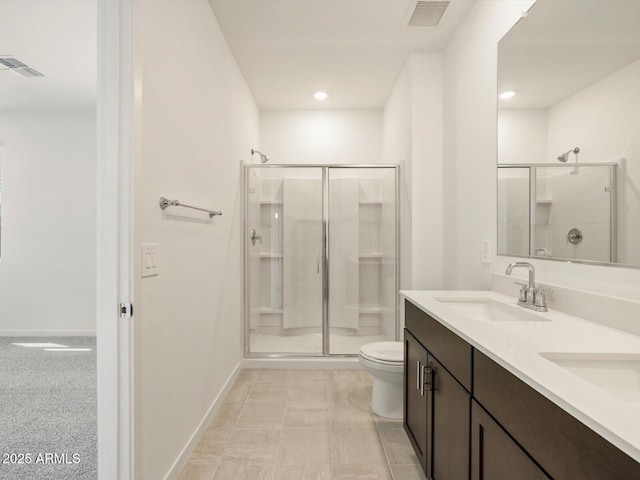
<point>427,13</point>
<point>29,72</point>
<point>22,69</point>
<point>12,62</point>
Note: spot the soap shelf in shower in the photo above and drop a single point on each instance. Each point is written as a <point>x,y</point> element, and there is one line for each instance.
<point>370,309</point>
<point>270,311</point>
<point>372,255</point>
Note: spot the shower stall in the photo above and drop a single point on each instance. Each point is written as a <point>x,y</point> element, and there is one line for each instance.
<point>321,258</point>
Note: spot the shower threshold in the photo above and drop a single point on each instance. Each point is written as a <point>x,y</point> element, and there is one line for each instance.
<point>310,344</point>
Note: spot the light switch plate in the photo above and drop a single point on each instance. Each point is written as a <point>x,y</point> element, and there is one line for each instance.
<point>150,254</point>
<point>485,256</point>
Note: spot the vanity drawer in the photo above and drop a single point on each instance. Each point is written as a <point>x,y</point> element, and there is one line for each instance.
<point>565,447</point>
<point>455,354</point>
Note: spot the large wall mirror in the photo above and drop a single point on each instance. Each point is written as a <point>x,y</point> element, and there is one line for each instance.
<point>569,133</point>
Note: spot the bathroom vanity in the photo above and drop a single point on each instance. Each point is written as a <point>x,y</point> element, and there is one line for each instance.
<point>496,392</point>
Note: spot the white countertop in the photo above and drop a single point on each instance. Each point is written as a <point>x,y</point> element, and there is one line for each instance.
<point>516,347</point>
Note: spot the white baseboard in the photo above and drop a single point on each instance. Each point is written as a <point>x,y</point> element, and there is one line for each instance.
<point>186,452</point>
<point>341,363</point>
<point>47,333</point>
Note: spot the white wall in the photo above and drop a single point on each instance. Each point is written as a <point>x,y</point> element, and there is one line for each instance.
<point>192,128</point>
<point>522,136</point>
<point>321,136</point>
<point>397,148</point>
<point>613,104</point>
<point>470,68</point>
<point>412,137</point>
<point>470,124</point>
<point>48,263</point>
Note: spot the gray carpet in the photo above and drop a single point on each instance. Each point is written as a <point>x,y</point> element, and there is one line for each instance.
<point>48,406</point>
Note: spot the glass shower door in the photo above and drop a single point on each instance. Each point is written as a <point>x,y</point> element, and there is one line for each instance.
<point>362,232</point>
<point>284,260</point>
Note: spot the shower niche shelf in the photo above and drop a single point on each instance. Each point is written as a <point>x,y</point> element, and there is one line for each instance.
<point>270,311</point>
<point>371,255</point>
<point>370,267</point>
<point>269,209</point>
<point>370,309</point>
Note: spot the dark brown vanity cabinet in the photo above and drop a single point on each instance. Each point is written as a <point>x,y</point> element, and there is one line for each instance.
<point>470,418</point>
<point>437,406</point>
<point>562,445</point>
<point>495,456</point>
<point>449,426</point>
<point>415,402</point>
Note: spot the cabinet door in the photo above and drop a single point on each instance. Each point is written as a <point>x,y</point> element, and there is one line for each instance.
<point>415,400</point>
<point>449,425</point>
<point>494,455</point>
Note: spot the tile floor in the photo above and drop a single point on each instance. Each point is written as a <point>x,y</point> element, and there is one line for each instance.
<point>302,425</point>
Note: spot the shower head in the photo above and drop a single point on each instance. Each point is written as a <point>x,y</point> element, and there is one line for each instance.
<point>565,156</point>
<point>263,157</point>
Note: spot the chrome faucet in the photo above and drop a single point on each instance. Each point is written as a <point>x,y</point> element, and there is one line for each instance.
<point>531,296</point>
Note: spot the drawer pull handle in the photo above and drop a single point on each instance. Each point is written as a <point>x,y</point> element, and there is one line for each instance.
<point>418,372</point>
<point>427,378</point>
<point>422,385</point>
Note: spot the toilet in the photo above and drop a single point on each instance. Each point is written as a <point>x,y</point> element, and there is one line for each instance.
<point>385,362</point>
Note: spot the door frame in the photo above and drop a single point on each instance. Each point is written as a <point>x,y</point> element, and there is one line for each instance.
<point>114,240</point>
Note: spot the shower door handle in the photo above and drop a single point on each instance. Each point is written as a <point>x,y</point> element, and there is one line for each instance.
<point>317,260</point>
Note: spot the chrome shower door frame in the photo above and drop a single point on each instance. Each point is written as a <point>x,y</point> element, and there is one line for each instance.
<point>325,256</point>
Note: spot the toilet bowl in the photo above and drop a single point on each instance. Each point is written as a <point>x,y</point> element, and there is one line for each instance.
<point>385,362</point>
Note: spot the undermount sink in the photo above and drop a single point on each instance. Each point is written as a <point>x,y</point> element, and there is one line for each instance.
<point>488,310</point>
<point>617,373</point>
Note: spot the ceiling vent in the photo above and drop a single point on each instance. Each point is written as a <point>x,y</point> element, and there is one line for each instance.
<point>427,13</point>
<point>16,66</point>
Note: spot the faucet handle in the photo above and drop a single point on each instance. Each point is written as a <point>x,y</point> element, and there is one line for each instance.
<point>539,299</point>
<point>524,291</point>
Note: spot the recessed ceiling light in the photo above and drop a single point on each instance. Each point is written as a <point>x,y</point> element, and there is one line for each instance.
<point>507,95</point>
<point>320,95</point>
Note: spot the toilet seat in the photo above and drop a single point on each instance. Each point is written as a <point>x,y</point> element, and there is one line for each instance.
<point>383,353</point>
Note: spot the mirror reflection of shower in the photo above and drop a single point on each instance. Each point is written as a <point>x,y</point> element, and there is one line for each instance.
<point>538,203</point>
<point>263,157</point>
<point>565,156</point>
